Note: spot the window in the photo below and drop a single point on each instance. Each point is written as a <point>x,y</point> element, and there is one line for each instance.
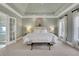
<point>62,27</point>
<point>3,27</point>
<point>76,25</point>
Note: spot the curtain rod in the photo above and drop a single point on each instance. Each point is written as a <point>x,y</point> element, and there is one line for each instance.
<point>76,10</point>
<point>63,16</point>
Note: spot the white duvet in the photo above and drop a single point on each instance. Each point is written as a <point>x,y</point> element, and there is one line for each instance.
<point>39,37</point>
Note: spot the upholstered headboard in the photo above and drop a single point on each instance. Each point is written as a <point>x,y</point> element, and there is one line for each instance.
<point>40,29</point>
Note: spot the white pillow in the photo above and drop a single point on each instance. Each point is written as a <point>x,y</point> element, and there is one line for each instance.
<point>40,29</point>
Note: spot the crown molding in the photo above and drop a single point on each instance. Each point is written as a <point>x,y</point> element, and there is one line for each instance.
<point>52,16</point>
<point>66,10</point>
<point>44,16</point>
<point>11,9</point>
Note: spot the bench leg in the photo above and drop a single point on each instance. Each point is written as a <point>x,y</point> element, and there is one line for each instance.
<point>49,46</point>
<point>31,46</point>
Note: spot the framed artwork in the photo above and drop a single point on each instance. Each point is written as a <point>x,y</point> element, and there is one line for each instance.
<point>39,22</point>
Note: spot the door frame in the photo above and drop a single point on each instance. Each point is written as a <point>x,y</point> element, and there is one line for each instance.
<point>13,41</point>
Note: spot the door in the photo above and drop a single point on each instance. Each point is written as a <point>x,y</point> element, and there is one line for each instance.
<point>12,29</point>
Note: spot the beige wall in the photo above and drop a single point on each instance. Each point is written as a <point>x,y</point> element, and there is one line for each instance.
<point>18,27</point>
<point>47,21</point>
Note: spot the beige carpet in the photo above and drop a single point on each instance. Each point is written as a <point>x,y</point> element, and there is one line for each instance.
<point>19,49</point>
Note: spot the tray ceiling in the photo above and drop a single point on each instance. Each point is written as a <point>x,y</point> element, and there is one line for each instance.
<point>39,8</point>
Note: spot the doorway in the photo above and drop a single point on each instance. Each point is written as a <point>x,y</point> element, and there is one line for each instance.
<point>12,28</point>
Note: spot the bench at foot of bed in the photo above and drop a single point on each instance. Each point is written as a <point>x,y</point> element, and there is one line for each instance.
<point>49,45</point>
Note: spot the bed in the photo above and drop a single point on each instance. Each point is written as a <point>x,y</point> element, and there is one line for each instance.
<point>40,35</point>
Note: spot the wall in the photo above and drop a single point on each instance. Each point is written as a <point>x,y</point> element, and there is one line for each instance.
<point>47,21</point>
<point>18,19</point>
<point>18,27</point>
<point>52,22</point>
<point>70,25</point>
<point>26,22</point>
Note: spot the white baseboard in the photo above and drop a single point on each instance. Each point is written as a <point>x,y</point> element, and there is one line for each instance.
<point>19,38</point>
<point>77,48</point>
<point>2,46</point>
<point>69,43</point>
<point>14,41</point>
<point>11,42</point>
<point>6,44</point>
<point>62,40</point>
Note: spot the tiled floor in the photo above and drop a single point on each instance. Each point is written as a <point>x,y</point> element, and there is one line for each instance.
<point>19,49</point>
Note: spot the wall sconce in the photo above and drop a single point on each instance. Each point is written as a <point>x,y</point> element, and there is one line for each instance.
<point>52,28</point>
<point>29,29</point>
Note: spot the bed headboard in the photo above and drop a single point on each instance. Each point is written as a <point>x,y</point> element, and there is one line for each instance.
<point>40,29</point>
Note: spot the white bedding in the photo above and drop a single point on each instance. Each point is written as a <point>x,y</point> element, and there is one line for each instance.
<point>39,37</point>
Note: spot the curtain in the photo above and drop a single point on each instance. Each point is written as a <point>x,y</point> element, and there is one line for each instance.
<point>76,25</point>
<point>62,27</point>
